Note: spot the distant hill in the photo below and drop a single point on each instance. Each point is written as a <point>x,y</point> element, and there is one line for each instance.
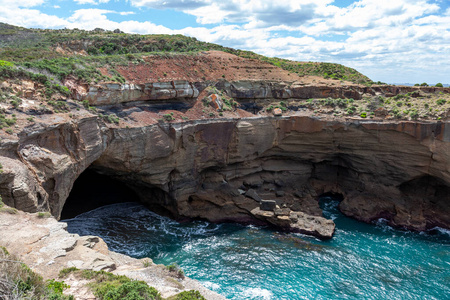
<point>412,84</point>
<point>30,47</point>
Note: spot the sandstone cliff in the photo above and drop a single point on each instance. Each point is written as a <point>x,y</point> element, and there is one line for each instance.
<point>205,168</point>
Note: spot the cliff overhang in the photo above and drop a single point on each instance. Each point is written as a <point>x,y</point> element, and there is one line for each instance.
<point>227,169</point>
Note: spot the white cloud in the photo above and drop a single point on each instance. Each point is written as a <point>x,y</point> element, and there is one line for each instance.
<point>92,18</point>
<point>22,3</point>
<point>93,2</point>
<point>30,18</point>
<point>293,12</point>
<point>366,14</point>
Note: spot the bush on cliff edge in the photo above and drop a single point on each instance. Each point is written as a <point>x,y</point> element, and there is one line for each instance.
<point>18,281</point>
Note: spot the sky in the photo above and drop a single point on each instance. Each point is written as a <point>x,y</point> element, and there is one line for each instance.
<point>393,41</point>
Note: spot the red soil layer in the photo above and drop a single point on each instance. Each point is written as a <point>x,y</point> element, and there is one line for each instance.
<point>211,65</point>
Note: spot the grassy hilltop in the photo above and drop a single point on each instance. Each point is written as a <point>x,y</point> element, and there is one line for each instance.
<point>78,52</point>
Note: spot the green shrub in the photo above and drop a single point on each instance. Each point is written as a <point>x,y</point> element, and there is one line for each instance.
<point>414,114</point>
<point>66,271</point>
<point>85,103</point>
<point>188,295</point>
<point>57,287</point>
<point>424,84</point>
<point>4,251</point>
<point>59,106</point>
<point>351,110</point>
<point>439,85</point>
<point>17,280</point>
<point>174,268</point>
<point>15,103</point>
<point>363,115</point>
<point>441,101</point>
<point>4,63</point>
<point>9,210</point>
<point>107,286</point>
<point>111,118</point>
<point>131,290</point>
<point>168,117</point>
<point>43,215</point>
<point>146,263</point>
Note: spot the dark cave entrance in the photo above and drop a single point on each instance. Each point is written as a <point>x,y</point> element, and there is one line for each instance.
<point>329,204</point>
<point>92,190</point>
<point>331,196</point>
<point>99,187</point>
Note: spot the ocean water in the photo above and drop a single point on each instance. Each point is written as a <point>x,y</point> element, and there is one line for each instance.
<point>362,261</point>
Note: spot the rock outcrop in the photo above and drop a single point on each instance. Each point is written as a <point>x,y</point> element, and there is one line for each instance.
<point>242,90</point>
<point>46,247</point>
<point>114,93</point>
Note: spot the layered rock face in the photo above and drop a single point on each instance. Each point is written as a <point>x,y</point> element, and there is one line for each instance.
<point>114,93</point>
<point>223,169</point>
<point>243,90</point>
<point>40,168</point>
<point>399,171</point>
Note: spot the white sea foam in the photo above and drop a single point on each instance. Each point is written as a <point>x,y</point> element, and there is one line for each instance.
<point>442,230</point>
<point>257,293</point>
<point>211,285</point>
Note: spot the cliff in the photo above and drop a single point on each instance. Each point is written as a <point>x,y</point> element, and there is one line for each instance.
<point>227,137</point>
<point>206,168</point>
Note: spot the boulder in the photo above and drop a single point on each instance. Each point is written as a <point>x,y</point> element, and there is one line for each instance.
<point>251,193</point>
<point>268,205</point>
<point>277,112</point>
<point>279,193</point>
<point>296,221</point>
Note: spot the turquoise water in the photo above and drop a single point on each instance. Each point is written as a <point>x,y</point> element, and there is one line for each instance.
<point>362,261</point>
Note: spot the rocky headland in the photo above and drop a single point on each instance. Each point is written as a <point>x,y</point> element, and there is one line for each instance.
<point>219,137</point>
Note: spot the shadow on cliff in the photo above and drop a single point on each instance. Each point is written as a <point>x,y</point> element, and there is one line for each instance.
<point>92,190</point>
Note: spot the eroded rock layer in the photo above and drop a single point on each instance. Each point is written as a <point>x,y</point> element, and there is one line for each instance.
<point>224,169</point>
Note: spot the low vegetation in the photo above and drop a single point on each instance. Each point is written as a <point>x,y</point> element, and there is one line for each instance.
<point>18,281</point>
<point>176,270</point>
<point>108,286</point>
<point>409,106</point>
<point>188,295</point>
<point>34,51</point>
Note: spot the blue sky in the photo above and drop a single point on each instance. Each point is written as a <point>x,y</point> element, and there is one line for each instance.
<point>394,41</point>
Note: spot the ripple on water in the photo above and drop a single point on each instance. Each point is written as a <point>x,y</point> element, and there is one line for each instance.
<point>246,262</point>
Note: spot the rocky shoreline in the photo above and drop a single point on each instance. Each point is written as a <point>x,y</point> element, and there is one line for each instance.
<point>43,244</point>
